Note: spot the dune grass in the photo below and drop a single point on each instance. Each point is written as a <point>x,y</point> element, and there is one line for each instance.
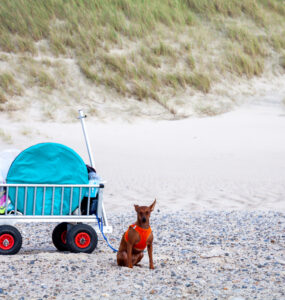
<point>6,81</point>
<point>241,63</point>
<point>278,40</point>
<point>233,8</point>
<point>282,61</point>
<point>252,45</point>
<point>9,86</point>
<point>151,49</point>
<point>3,98</point>
<point>41,78</point>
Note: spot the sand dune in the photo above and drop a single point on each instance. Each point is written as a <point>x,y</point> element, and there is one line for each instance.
<point>231,161</point>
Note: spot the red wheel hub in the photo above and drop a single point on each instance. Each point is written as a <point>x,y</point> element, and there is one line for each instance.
<point>63,236</point>
<point>6,241</point>
<point>82,240</point>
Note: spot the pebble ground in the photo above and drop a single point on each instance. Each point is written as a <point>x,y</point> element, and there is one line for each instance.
<point>201,255</point>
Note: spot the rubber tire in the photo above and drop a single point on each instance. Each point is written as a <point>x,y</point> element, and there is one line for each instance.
<point>74,231</point>
<point>56,237</point>
<point>7,229</point>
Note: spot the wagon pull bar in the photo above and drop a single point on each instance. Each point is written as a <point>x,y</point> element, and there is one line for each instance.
<point>81,117</point>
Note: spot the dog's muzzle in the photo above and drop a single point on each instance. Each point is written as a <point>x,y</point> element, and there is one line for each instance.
<point>143,219</point>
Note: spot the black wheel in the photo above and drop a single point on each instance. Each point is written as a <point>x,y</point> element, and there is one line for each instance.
<point>10,240</point>
<point>59,237</point>
<point>82,238</point>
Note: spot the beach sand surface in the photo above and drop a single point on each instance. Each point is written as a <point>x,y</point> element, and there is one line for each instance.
<point>219,220</point>
<point>231,161</point>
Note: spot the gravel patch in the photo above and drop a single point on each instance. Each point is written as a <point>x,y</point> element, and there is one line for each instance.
<point>201,255</point>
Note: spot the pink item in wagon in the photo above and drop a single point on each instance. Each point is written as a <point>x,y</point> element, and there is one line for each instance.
<point>2,204</point>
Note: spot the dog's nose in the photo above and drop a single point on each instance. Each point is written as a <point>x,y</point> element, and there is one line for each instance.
<point>143,219</point>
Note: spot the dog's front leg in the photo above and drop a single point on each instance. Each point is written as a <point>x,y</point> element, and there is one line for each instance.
<point>149,250</point>
<point>129,255</point>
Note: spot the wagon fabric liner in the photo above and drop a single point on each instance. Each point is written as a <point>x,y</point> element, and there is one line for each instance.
<point>47,163</point>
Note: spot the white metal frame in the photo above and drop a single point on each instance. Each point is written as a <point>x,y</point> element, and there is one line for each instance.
<point>72,217</point>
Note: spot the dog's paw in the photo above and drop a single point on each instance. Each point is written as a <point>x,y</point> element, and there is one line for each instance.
<point>151,267</point>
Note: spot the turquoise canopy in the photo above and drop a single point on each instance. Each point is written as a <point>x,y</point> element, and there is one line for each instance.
<point>47,163</point>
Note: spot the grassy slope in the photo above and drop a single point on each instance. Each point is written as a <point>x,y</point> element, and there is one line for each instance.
<point>146,49</point>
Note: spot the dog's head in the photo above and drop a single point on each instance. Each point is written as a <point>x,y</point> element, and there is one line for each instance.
<point>143,213</point>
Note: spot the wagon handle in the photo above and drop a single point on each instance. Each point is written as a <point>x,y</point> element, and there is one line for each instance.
<point>81,117</point>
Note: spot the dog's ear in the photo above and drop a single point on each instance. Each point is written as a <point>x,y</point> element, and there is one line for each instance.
<point>151,207</point>
<point>136,208</point>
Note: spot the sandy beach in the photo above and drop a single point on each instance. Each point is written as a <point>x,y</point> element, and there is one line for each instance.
<point>218,223</point>
<point>200,255</point>
<point>232,161</point>
<point>185,104</point>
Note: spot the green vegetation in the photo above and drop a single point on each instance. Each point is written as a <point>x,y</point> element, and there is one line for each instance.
<point>233,8</point>
<point>146,49</point>
<point>252,45</point>
<point>241,63</point>
<point>278,40</point>
<point>282,61</point>
<point>41,78</point>
<point>16,43</point>
<point>8,85</point>
<point>3,98</point>
<point>6,81</point>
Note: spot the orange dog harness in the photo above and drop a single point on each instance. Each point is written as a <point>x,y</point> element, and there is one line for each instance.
<point>143,233</point>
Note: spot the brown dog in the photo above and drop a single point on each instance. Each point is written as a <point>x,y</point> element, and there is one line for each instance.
<point>136,239</point>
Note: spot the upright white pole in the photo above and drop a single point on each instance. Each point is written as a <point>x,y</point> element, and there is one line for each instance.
<point>82,117</point>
